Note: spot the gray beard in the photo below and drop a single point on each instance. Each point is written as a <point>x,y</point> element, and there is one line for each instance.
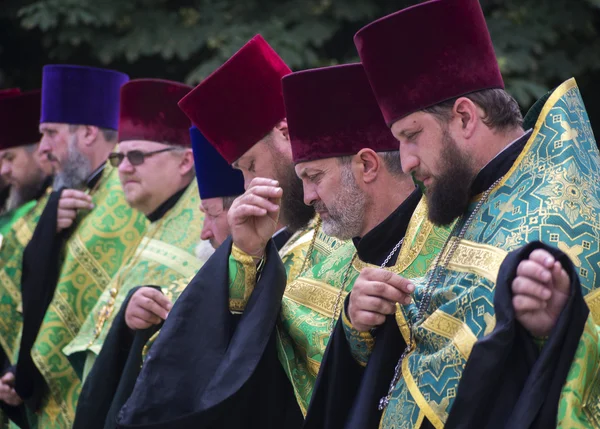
<point>204,250</point>
<point>75,170</point>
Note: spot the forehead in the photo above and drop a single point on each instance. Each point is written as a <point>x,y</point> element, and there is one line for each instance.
<point>215,203</point>
<point>53,126</point>
<point>303,168</point>
<point>11,152</point>
<point>408,123</point>
<point>143,145</point>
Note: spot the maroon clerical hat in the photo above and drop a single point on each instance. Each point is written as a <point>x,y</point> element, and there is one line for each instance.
<point>332,112</point>
<point>149,111</point>
<point>241,101</point>
<point>19,118</point>
<point>427,54</point>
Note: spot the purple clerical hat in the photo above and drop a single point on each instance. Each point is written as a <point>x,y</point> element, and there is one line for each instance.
<point>81,95</point>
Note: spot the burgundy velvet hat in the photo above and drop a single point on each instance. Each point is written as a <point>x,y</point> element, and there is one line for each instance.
<point>332,112</point>
<point>149,111</point>
<point>80,95</point>
<point>427,54</point>
<point>19,118</point>
<point>241,101</point>
<point>9,92</point>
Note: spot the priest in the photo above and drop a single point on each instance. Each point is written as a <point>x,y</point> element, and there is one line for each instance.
<point>490,332</point>
<point>83,236</point>
<point>19,113</point>
<point>20,165</point>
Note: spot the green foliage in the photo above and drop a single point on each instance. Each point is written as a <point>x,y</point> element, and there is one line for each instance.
<point>538,43</point>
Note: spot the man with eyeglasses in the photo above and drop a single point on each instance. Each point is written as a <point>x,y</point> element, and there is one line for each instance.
<point>156,169</point>
<point>85,233</point>
<point>116,369</point>
<point>239,109</point>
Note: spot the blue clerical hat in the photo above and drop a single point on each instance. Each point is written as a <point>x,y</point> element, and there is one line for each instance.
<point>216,178</point>
<point>81,95</point>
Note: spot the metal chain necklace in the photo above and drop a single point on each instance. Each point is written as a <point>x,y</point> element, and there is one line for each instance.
<point>345,279</point>
<point>432,283</point>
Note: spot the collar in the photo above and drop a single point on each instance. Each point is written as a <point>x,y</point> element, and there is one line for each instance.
<point>281,237</point>
<point>376,245</point>
<point>93,178</point>
<point>167,205</point>
<point>499,165</point>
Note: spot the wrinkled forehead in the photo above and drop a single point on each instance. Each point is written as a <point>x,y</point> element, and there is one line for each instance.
<point>142,145</point>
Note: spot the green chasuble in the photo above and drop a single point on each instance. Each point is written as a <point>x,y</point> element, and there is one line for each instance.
<point>11,258</point>
<point>310,299</point>
<point>164,256</point>
<point>8,219</point>
<point>550,194</point>
<point>102,241</point>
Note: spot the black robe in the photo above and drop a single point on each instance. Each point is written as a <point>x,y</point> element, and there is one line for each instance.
<point>346,395</point>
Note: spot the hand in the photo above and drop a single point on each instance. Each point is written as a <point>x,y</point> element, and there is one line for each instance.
<point>374,296</point>
<point>540,292</point>
<point>147,307</point>
<point>7,390</point>
<point>253,216</point>
<point>71,200</point>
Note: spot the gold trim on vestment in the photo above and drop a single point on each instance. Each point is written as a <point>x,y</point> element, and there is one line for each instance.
<point>170,256</point>
<point>592,300</point>
<point>556,95</point>
<point>471,257</point>
<point>423,405</point>
<point>454,329</point>
<point>314,294</point>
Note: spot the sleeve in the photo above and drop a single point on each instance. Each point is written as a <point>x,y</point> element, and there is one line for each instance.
<point>361,343</point>
<point>579,404</point>
<point>242,279</point>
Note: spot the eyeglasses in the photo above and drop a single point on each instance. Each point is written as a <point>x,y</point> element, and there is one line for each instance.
<point>135,157</point>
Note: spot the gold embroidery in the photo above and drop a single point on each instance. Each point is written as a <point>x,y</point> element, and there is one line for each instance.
<point>593,301</point>
<point>316,295</point>
<point>476,258</point>
<point>170,256</point>
<point>454,329</point>
<point>414,390</point>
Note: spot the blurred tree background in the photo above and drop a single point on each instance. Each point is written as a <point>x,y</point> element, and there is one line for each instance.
<point>539,43</point>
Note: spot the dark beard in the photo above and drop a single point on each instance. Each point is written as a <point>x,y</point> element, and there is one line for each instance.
<point>294,213</point>
<point>19,196</point>
<point>450,194</point>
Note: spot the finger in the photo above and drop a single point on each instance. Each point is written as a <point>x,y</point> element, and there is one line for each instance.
<point>535,271</point>
<point>560,278</point>
<point>265,191</point>
<point>146,315</point>
<point>243,212</point>
<point>262,181</point>
<point>385,276</point>
<point>152,307</point>
<point>72,203</point>
<point>64,224</point>
<point>542,257</point>
<point>8,378</point>
<point>523,303</point>
<point>385,291</point>
<point>138,324</point>
<point>259,201</point>
<point>158,297</point>
<point>367,319</point>
<point>76,194</point>
<point>526,286</point>
<point>66,214</point>
<point>375,305</point>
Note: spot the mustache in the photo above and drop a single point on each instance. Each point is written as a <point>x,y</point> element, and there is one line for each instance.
<point>51,157</point>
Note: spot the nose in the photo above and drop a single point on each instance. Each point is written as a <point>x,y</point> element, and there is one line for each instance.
<point>310,193</point>
<point>125,166</point>
<point>206,233</point>
<point>44,146</point>
<point>5,170</point>
<point>247,179</point>
<point>408,159</point>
